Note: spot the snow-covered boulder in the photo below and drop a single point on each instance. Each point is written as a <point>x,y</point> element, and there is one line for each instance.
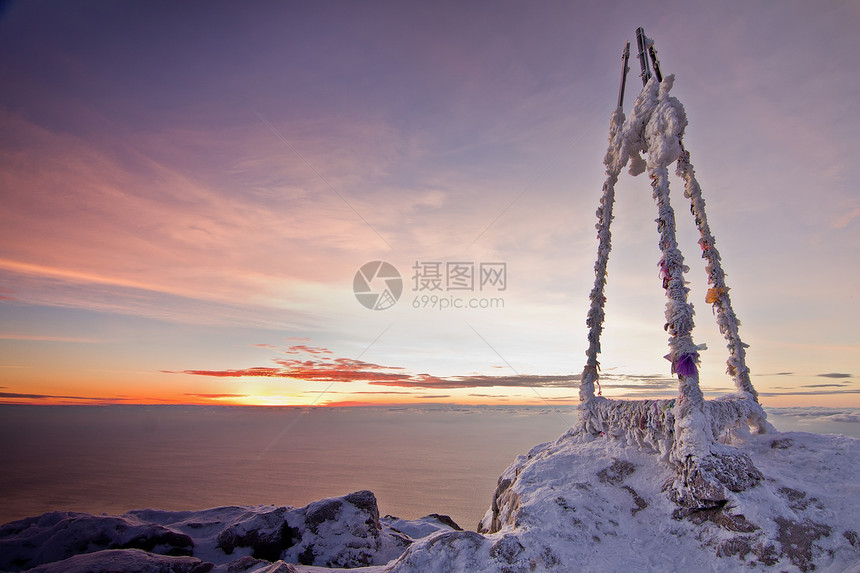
<point>599,504</point>
<point>342,532</point>
<point>125,561</point>
<point>423,527</point>
<point>336,532</point>
<point>59,535</point>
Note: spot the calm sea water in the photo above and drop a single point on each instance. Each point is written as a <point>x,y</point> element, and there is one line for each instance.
<point>417,460</point>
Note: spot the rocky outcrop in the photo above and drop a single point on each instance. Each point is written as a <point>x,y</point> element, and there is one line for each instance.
<point>339,532</point>
<point>603,504</point>
<point>125,561</point>
<point>59,535</point>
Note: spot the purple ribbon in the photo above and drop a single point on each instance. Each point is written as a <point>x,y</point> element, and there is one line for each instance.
<point>685,366</point>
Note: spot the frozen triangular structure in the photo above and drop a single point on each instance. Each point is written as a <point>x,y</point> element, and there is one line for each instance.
<point>687,430</point>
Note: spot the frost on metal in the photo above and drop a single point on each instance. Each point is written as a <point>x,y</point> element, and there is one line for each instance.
<point>686,431</point>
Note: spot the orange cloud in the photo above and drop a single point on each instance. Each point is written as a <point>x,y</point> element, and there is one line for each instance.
<point>217,396</point>
<point>320,368</point>
<point>17,397</point>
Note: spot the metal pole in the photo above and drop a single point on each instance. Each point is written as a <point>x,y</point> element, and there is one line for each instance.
<point>643,61</point>
<point>625,57</point>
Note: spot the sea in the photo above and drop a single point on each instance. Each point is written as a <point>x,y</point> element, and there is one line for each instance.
<point>418,460</point>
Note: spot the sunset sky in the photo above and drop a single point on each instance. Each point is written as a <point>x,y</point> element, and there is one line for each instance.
<point>187,191</point>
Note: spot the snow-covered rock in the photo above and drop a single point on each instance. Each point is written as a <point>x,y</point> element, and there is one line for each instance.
<point>600,504</point>
<point>344,532</point>
<point>125,561</point>
<point>424,527</point>
<point>59,535</point>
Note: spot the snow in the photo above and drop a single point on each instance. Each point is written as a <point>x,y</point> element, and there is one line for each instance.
<point>599,503</point>
<point>335,532</point>
<point>420,528</point>
<point>578,503</point>
<point>125,561</point>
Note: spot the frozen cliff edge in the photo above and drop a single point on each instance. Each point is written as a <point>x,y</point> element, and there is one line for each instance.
<point>577,504</point>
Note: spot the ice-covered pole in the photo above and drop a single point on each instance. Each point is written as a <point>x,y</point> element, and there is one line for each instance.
<point>718,293</point>
<point>661,138</point>
<point>614,161</point>
<point>700,460</point>
<point>595,316</point>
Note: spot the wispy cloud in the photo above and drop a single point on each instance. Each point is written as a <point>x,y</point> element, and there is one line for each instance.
<point>83,277</point>
<point>384,393</point>
<point>38,338</point>
<point>834,375</point>
<point>347,403</point>
<point>216,396</point>
<point>22,396</point>
<point>811,393</point>
<point>304,349</point>
<point>847,218</point>
<point>124,218</point>
<point>243,373</point>
<point>348,370</point>
<point>819,414</point>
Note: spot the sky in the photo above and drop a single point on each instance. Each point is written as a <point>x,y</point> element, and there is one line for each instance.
<point>190,195</point>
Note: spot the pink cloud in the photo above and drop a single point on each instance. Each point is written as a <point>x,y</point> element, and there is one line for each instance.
<point>847,218</point>
<point>301,348</point>
<point>122,211</point>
